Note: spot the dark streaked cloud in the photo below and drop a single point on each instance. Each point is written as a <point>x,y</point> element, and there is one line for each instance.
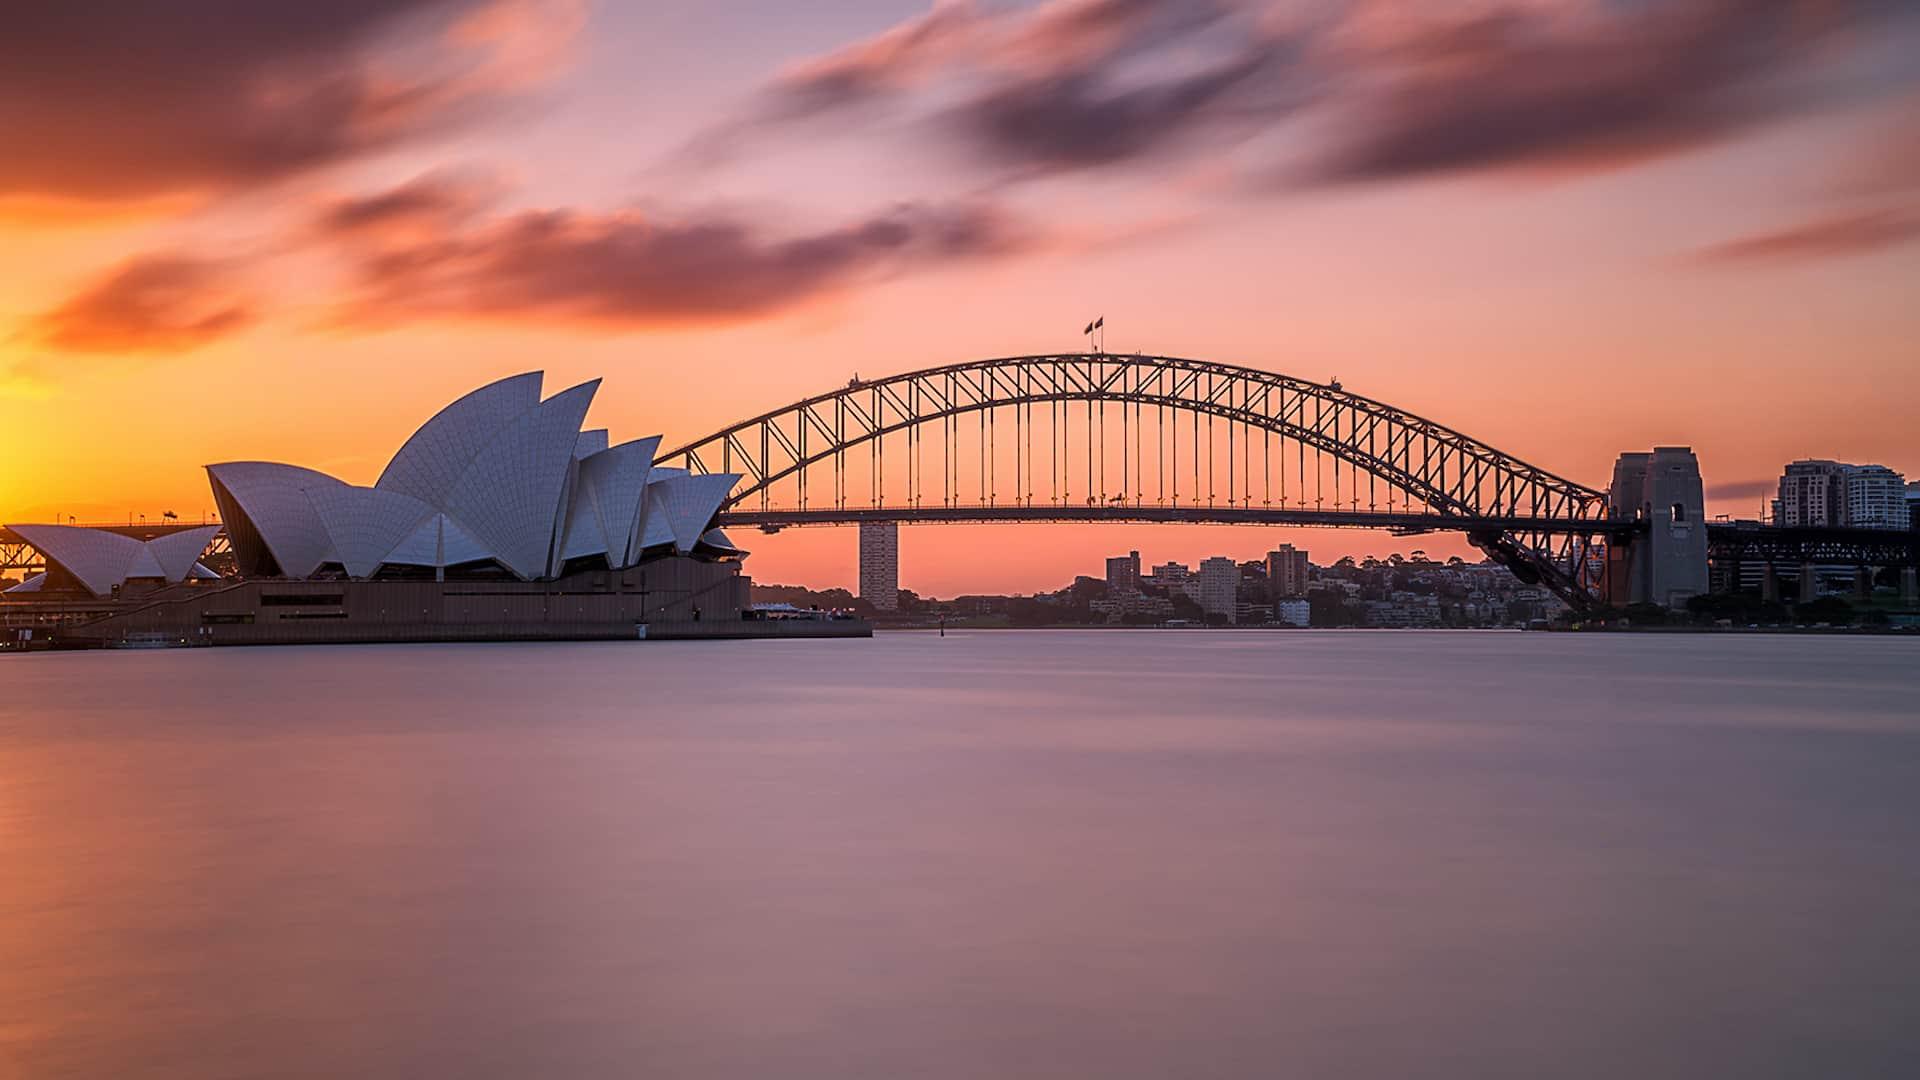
<point>1743,489</point>
<point>895,59</point>
<point>867,72</point>
<point>111,100</point>
<point>1055,36</point>
<point>1540,85</point>
<point>1405,90</point>
<point>1068,83</point>
<point>432,201</point>
<point>1889,161</point>
<point>161,303</point>
<point>1078,119</point>
<point>1852,233</point>
<point>628,269</point>
<point>431,250</point>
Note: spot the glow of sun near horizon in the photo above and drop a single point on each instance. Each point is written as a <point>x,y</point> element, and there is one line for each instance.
<point>1567,228</point>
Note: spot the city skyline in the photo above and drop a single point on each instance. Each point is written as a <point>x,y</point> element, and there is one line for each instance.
<point>490,187</point>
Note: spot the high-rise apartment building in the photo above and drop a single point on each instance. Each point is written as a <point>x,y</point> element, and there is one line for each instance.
<point>1876,498</point>
<point>1811,493</point>
<point>1171,573</point>
<point>880,564</point>
<point>1286,572</point>
<point>1123,573</point>
<point>1216,586</point>
<point>1834,493</point>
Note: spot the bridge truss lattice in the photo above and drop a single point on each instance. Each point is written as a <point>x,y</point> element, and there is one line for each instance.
<point>1108,437</point>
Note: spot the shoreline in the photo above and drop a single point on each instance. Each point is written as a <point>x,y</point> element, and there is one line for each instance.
<point>1885,631</point>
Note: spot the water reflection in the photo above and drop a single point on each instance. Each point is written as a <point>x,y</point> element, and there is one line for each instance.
<point>1015,854</point>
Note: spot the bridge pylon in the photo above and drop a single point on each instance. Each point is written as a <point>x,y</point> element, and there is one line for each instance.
<point>880,564</point>
<point>1665,562</point>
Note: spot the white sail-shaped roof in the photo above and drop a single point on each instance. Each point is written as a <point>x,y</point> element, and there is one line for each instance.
<point>273,499</point>
<point>178,553</point>
<point>614,482</point>
<point>432,461</point>
<point>582,536</point>
<point>689,502</point>
<point>457,545</point>
<point>498,475</point>
<point>652,529</point>
<point>510,493</point>
<point>33,584</point>
<point>421,547</point>
<point>439,541</point>
<point>144,565</point>
<point>576,532</point>
<point>101,560</point>
<point>656,527</point>
<point>591,443</point>
<point>96,558</point>
<point>719,541</point>
<point>365,524</point>
<point>557,528</point>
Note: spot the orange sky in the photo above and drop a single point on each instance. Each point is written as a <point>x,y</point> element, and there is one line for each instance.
<point>1531,236</point>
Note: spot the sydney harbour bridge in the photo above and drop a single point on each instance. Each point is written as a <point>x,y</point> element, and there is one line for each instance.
<point>1104,437</point>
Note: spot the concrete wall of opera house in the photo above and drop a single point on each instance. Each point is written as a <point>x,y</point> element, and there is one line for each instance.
<point>672,597</point>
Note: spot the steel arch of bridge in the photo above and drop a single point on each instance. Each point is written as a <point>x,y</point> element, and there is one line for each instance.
<point>1534,521</point>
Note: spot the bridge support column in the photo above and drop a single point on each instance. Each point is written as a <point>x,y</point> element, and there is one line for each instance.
<point>1663,489</point>
<point>1909,586</point>
<point>880,564</point>
<point>1769,584</point>
<point>1863,582</point>
<point>1809,582</point>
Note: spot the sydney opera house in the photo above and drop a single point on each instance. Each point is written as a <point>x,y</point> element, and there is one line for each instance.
<point>500,518</point>
<point>498,484</point>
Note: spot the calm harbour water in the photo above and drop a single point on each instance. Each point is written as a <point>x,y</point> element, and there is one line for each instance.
<point>1015,854</point>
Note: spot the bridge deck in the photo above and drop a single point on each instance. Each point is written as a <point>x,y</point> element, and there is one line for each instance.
<point>138,532</point>
<point>1402,522</point>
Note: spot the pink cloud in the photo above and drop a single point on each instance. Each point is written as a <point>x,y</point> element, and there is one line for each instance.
<point>162,303</point>
<point>1853,233</point>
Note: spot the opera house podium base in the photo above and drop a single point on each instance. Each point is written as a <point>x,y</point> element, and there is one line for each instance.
<point>664,599</point>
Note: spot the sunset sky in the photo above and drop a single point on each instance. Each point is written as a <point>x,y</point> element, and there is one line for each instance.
<point>238,230</point>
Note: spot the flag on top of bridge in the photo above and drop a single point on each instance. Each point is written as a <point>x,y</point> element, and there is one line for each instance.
<point>1088,330</point>
<point>1099,322</point>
